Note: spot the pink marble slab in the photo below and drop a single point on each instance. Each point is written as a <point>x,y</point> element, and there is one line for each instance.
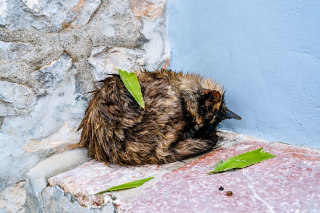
<point>288,183</point>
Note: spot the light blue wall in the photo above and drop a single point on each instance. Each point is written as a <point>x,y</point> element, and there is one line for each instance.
<point>265,53</point>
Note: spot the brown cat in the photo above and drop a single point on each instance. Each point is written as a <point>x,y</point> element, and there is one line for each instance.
<point>180,119</point>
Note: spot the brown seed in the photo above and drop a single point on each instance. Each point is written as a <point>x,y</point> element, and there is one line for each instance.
<point>229,193</point>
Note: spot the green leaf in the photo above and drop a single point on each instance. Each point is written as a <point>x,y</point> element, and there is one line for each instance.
<point>131,82</point>
<point>128,185</point>
<point>243,160</point>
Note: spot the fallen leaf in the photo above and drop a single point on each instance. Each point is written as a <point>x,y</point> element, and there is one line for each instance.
<point>243,160</point>
<point>131,82</point>
<point>129,185</point>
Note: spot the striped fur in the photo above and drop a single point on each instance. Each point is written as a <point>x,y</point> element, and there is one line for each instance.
<point>180,118</point>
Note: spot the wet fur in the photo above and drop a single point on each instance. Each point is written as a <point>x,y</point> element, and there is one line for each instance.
<point>180,119</point>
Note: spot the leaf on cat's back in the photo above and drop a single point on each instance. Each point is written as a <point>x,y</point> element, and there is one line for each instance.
<point>131,82</point>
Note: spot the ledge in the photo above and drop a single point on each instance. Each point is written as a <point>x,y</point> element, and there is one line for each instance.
<point>287,183</point>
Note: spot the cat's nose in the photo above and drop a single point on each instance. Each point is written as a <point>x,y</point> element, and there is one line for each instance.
<point>229,115</point>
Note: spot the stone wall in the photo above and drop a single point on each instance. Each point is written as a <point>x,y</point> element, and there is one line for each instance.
<point>51,55</point>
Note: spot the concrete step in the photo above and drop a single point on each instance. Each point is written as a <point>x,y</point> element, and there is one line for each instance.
<point>289,182</point>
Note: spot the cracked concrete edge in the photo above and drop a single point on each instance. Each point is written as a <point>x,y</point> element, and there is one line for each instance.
<point>114,199</point>
<point>36,180</point>
<point>56,200</point>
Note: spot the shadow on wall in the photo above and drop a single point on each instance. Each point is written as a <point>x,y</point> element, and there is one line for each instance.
<point>266,54</point>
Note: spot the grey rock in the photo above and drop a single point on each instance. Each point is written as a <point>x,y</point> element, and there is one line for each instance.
<point>51,75</point>
<point>105,61</point>
<point>3,12</point>
<point>49,16</point>
<point>117,25</point>
<point>66,135</point>
<point>56,200</point>
<point>15,99</point>
<point>150,8</point>
<point>13,199</point>
<point>87,10</point>
<point>12,51</point>
<point>37,177</point>
<point>51,123</point>
<point>94,176</point>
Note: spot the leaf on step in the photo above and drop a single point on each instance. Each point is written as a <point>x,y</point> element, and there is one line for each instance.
<point>129,185</point>
<point>131,82</point>
<point>243,160</point>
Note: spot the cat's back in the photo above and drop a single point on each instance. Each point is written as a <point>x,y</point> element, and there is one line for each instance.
<point>125,133</point>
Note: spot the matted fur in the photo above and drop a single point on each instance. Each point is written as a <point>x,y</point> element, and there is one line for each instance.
<point>180,118</point>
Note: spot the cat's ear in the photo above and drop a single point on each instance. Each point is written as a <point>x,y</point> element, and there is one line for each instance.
<point>209,97</point>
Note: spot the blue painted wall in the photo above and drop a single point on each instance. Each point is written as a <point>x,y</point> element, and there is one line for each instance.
<point>265,53</point>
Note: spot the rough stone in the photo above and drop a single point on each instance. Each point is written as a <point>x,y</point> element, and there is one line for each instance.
<point>117,25</point>
<point>3,12</point>
<point>26,53</point>
<point>87,7</point>
<point>13,199</point>
<point>12,51</point>
<point>284,183</point>
<point>94,176</point>
<point>45,49</point>
<point>106,61</point>
<point>54,117</point>
<point>64,136</point>
<point>152,8</point>
<point>49,16</point>
<point>15,99</point>
<point>56,200</point>
<point>37,176</point>
<point>51,75</point>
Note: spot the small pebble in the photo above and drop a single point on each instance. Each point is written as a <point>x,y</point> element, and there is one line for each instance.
<point>221,188</point>
<point>229,193</point>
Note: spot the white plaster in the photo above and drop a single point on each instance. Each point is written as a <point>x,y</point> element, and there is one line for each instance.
<point>157,49</point>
